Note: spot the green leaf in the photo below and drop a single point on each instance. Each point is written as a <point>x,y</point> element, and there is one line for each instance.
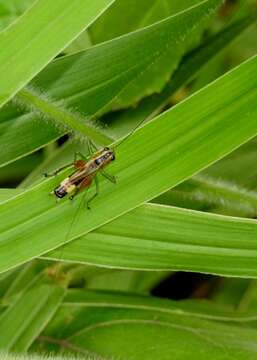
<point>11,9</point>
<point>53,25</point>
<point>124,326</point>
<point>145,166</point>
<point>135,16</point>
<point>23,321</point>
<point>6,194</point>
<point>192,241</point>
<point>111,24</point>
<point>89,80</point>
<point>197,308</point>
<point>62,116</point>
<point>192,64</point>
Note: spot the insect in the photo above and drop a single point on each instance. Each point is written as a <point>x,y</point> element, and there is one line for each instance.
<point>86,170</point>
<point>85,173</point>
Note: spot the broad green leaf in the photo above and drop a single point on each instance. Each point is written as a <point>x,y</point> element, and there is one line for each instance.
<point>191,66</point>
<point>111,24</point>
<point>124,326</point>
<point>203,130</point>
<point>6,194</point>
<point>126,56</point>
<point>135,16</point>
<point>191,241</point>
<point>89,80</point>
<point>53,25</point>
<point>23,321</point>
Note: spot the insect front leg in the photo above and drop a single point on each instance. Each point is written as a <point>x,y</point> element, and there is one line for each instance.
<point>95,194</point>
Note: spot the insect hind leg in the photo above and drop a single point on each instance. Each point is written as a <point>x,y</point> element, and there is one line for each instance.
<point>91,146</point>
<point>89,201</point>
<point>56,172</point>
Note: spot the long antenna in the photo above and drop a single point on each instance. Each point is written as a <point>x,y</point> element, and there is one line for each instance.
<point>66,240</point>
<point>131,133</point>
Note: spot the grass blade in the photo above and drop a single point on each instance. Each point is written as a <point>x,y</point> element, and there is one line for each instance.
<point>53,25</point>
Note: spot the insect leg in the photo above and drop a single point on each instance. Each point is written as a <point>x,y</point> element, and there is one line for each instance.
<point>56,172</point>
<point>109,177</point>
<point>91,146</point>
<point>78,154</point>
<point>95,194</point>
<point>91,149</point>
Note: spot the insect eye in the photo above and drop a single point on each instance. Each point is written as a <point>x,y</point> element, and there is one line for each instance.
<point>106,149</point>
<point>97,161</point>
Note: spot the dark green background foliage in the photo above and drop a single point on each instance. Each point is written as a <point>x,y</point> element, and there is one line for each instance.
<point>164,265</point>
